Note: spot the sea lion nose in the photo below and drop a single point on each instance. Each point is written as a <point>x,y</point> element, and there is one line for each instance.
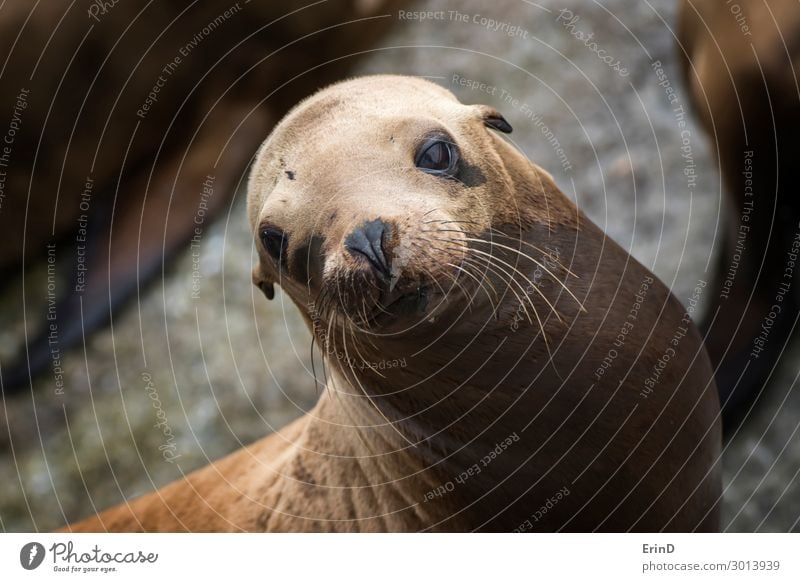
<point>367,241</point>
<point>274,241</point>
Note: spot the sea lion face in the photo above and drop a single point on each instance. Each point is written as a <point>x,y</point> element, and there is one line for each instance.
<point>364,198</point>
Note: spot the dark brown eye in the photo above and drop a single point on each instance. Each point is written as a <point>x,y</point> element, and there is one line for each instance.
<point>437,156</point>
<point>274,241</point>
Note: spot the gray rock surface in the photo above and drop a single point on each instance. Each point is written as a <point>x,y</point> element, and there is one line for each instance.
<point>178,381</point>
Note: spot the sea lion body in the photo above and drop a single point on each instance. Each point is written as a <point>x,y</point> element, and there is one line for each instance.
<point>494,362</point>
<point>128,128</point>
<point>741,64</point>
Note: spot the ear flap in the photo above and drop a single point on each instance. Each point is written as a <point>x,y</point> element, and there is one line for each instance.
<point>493,119</point>
<point>267,287</point>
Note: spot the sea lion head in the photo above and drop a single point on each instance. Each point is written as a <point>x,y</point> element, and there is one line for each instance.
<point>367,197</point>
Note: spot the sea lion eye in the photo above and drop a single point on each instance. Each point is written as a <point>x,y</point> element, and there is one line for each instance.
<point>274,241</point>
<point>437,156</point>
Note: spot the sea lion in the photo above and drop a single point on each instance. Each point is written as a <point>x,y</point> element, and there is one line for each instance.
<point>126,128</point>
<point>741,63</point>
<point>493,360</point>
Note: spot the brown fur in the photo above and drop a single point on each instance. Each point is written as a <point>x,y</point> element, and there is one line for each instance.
<point>743,83</point>
<point>379,441</point>
<point>87,114</point>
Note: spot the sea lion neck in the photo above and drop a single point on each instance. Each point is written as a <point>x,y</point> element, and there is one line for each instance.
<point>419,445</point>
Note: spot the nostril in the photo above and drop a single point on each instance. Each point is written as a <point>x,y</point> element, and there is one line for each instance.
<point>367,241</point>
<point>275,242</point>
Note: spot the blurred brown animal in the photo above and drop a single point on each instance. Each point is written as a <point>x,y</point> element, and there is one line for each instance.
<point>130,126</point>
<point>741,63</point>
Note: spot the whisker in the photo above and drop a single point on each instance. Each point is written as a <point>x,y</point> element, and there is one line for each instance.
<point>360,355</point>
<point>510,279</point>
<point>540,265</point>
<point>501,234</point>
<point>533,285</point>
<point>366,393</point>
<point>480,285</point>
<point>530,258</point>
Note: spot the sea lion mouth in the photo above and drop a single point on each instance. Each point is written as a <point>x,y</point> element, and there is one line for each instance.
<point>398,304</point>
<point>368,303</point>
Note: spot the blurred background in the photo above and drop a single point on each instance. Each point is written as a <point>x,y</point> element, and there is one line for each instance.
<point>199,363</point>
